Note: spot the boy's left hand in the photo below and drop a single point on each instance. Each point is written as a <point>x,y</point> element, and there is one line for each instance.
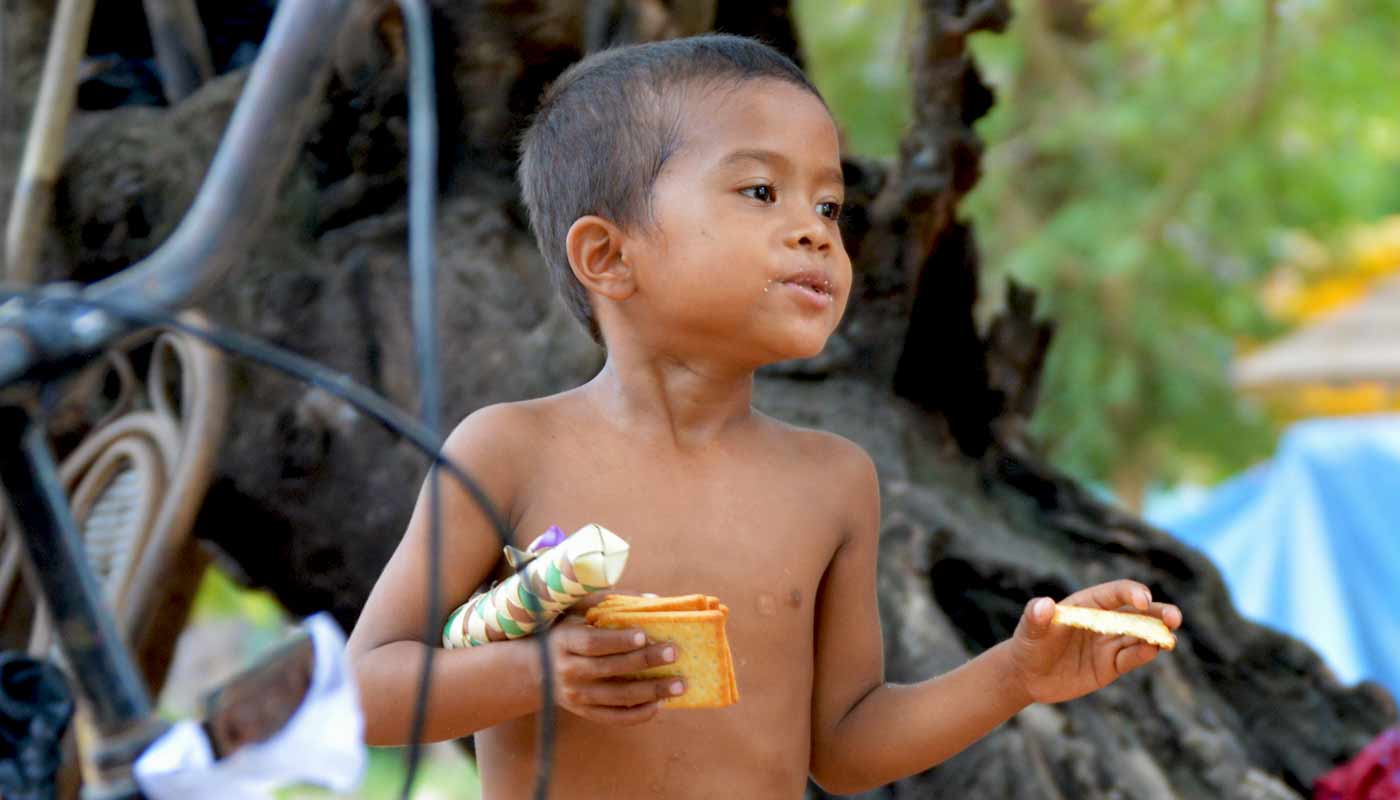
<point>1054,663</point>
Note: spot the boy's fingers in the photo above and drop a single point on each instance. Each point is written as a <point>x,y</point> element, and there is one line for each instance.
<point>1134,656</point>
<point>585,640</point>
<point>654,656</point>
<point>1113,595</point>
<point>1168,613</point>
<point>625,694</point>
<point>621,716</point>
<point>1038,614</point>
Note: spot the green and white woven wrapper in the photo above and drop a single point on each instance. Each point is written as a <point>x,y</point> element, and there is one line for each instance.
<point>588,560</point>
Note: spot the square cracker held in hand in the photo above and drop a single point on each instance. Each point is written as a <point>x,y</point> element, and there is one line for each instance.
<point>703,657</point>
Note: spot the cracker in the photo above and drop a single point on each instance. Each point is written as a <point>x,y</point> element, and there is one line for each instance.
<point>703,657</point>
<point>1150,629</point>
<point>731,681</point>
<point>627,602</point>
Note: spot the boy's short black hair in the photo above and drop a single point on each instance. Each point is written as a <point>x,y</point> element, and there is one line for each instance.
<point>608,124</point>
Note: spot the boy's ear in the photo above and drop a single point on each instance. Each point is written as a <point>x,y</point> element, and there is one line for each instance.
<point>594,247</point>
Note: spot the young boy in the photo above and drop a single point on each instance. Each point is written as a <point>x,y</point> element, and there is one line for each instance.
<point>686,196</point>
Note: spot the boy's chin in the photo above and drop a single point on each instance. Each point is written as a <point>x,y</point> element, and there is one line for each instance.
<point>796,351</point>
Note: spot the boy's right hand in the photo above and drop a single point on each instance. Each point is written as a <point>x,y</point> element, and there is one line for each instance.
<point>586,662</point>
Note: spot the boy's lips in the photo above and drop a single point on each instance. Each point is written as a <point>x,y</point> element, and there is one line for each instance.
<point>811,285</point>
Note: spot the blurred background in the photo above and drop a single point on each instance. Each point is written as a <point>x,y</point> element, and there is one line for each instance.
<point>1206,198</point>
<point>1183,183</point>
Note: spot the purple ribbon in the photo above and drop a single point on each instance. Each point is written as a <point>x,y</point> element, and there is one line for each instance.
<point>550,538</point>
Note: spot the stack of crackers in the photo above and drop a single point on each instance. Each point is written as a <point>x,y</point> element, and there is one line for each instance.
<point>694,623</point>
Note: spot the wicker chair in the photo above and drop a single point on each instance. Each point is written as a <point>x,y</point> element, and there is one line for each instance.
<point>135,483</point>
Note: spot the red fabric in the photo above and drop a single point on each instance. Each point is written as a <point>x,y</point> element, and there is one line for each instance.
<point>1373,775</point>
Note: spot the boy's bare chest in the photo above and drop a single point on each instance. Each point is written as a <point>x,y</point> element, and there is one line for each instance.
<point>756,535</point>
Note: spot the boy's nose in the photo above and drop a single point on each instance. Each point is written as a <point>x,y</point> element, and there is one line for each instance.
<point>808,234</point>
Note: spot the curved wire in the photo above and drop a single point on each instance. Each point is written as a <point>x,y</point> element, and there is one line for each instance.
<point>334,383</point>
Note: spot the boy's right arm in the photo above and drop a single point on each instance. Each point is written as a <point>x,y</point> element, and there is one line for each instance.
<point>477,687</point>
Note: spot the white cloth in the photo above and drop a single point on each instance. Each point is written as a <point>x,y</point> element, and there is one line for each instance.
<point>323,742</point>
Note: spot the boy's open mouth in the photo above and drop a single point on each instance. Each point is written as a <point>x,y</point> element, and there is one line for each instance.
<point>812,280</point>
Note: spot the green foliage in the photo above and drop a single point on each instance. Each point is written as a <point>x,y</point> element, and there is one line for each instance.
<point>219,597</point>
<point>856,55</point>
<point>440,775</point>
<point>1143,170</point>
<point>1146,163</point>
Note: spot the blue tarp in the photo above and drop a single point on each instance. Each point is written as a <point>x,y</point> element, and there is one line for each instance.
<point>1309,543</point>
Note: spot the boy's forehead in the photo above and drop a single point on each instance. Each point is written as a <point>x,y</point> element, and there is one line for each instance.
<point>760,115</point>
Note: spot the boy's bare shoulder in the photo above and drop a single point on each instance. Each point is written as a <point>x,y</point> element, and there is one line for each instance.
<point>499,425</point>
<point>830,453</point>
<point>506,434</point>
<point>842,468</point>
<point>520,422</point>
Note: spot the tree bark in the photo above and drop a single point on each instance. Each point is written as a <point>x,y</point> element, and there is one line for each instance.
<point>311,498</point>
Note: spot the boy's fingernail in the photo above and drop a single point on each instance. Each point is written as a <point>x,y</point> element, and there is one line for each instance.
<point>669,654</point>
<point>677,687</point>
<point>639,638</point>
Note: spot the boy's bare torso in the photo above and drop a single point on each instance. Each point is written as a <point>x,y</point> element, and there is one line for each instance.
<point>753,518</point>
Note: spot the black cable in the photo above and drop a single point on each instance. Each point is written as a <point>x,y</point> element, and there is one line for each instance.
<point>421,217</point>
<point>422,185</point>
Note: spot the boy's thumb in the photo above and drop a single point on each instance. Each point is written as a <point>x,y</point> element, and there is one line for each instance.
<point>1039,613</point>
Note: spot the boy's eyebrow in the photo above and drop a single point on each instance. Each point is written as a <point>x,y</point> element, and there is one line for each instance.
<point>776,159</point>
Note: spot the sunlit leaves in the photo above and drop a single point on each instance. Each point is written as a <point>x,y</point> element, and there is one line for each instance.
<point>1144,178</point>
<point>857,55</point>
<point>1150,164</point>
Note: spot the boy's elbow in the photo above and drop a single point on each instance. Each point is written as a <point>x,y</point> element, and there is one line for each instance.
<point>837,774</point>
<point>380,735</point>
<point>379,722</point>
<point>382,726</point>
<point>374,738</point>
<point>841,783</point>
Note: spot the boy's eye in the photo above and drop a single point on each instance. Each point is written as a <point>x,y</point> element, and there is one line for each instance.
<point>763,193</point>
<point>829,209</point>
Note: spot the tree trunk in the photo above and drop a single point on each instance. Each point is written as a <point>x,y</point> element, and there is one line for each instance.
<point>311,498</point>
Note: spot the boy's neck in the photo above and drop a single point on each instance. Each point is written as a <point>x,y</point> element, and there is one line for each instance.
<point>690,403</point>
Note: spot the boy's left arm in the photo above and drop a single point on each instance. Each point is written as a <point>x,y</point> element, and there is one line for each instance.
<point>866,733</point>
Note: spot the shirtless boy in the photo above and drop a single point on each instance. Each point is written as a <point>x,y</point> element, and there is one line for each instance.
<point>686,196</point>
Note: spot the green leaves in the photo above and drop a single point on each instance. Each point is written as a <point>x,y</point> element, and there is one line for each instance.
<point>1147,162</point>
<point>1143,179</point>
<point>857,55</point>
